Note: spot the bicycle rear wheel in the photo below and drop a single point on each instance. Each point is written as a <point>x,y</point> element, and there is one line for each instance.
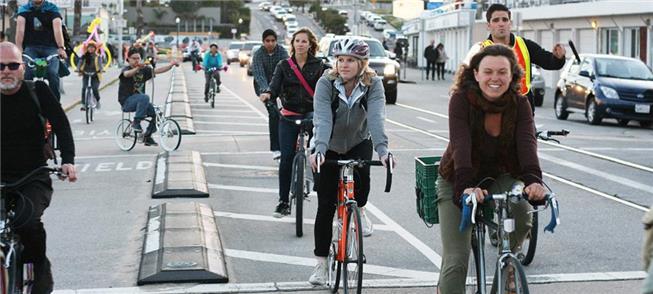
<point>170,135</point>
<point>335,267</point>
<point>504,283</point>
<point>352,274</point>
<point>125,135</point>
<point>530,243</point>
<point>297,185</point>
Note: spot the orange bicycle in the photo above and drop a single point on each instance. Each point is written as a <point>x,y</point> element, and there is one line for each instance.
<point>346,256</point>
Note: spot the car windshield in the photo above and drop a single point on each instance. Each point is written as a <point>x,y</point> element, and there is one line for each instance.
<point>235,45</point>
<point>623,69</point>
<point>249,46</point>
<point>376,49</point>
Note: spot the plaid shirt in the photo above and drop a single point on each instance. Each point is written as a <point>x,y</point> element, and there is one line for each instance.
<point>263,65</point>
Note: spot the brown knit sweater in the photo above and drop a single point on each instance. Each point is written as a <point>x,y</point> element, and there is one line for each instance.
<point>462,173</point>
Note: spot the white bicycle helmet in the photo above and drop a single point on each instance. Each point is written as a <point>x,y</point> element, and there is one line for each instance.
<point>352,47</point>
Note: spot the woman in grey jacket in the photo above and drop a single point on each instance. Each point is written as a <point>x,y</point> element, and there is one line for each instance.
<point>359,116</point>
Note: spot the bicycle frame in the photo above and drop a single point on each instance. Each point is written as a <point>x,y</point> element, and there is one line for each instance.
<point>41,65</point>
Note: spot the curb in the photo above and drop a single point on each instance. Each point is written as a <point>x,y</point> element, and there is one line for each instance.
<point>74,104</point>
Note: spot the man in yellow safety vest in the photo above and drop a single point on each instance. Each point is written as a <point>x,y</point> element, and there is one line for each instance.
<point>527,51</point>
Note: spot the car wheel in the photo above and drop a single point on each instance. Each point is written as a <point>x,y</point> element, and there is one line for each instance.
<point>560,107</point>
<point>391,96</point>
<point>538,100</point>
<point>228,62</point>
<point>242,65</point>
<point>623,122</point>
<point>645,123</point>
<point>592,113</point>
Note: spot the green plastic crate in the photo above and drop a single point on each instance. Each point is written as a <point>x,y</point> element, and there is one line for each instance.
<point>426,173</point>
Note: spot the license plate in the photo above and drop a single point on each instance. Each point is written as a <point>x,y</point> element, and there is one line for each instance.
<point>642,108</point>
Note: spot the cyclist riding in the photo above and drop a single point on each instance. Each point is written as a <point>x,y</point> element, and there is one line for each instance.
<point>293,81</point>
<point>194,52</point>
<point>25,106</point>
<point>349,109</point>
<point>212,64</point>
<point>131,92</point>
<point>526,51</point>
<point>90,66</point>
<point>492,135</point>
<point>39,34</point>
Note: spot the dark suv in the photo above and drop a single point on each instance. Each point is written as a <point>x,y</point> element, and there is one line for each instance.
<point>380,61</point>
<point>606,86</point>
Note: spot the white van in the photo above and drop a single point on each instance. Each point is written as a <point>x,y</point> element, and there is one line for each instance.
<point>379,24</point>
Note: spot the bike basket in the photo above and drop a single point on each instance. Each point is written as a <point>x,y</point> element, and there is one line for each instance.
<point>426,173</point>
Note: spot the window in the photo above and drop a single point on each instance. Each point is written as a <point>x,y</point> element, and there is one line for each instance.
<point>610,41</point>
<point>631,42</point>
<point>587,66</point>
<point>574,68</point>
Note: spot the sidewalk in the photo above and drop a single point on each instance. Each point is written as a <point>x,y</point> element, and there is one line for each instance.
<point>418,76</point>
<point>72,86</point>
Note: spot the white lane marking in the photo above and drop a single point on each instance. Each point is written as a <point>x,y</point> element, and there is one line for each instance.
<point>598,173</point>
<point>416,130</point>
<point>425,119</point>
<point>224,116</point>
<point>229,123</point>
<point>596,192</point>
<point>94,138</point>
<point>422,110</point>
<point>229,132</point>
<point>265,218</point>
<point>367,284</point>
<point>435,258</point>
<point>221,110</point>
<point>260,113</point>
<point>241,166</point>
<point>243,188</point>
<point>606,138</point>
<point>114,156</point>
<point>246,153</point>
<point>616,149</point>
<point>310,262</point>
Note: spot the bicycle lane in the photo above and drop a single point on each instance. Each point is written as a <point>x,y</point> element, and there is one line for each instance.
<point>94,225</point>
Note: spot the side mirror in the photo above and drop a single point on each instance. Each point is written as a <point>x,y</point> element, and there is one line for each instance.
<point>584,73</point>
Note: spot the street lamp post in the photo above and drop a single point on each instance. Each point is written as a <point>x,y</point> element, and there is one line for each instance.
<point>177,20</point>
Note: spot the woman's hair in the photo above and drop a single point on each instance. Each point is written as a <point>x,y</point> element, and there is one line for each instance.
<point>365,73</point>
<point>465,79</point>
<point>312,41</point>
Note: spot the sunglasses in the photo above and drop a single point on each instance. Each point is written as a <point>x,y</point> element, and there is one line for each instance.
<point>11,66</point>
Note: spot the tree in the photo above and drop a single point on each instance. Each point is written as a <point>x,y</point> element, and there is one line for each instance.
<point>299,3</point>
<point>77,19</point>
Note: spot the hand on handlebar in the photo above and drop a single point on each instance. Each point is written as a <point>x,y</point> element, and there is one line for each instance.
<point>478,193</point>
<point>316,159</point>
<point>535,192</point>
<point>70,172</point>
<point>264,97</point>
<point>384,160</point>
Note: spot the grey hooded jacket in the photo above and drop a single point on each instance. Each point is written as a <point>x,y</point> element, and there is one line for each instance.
<point>353,124</point>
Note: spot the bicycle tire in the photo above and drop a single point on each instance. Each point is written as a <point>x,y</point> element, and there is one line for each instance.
<point>520,283</point>
<point>531,241</point>
<point>125,135</point>
<point>170,135</point>
<point>479,254</point>
<point>297,184</point>
<point>87,106</point>
<point>212,93</point>
<point>352,271</point>
<point>333,273</point>
<point>12,276</point>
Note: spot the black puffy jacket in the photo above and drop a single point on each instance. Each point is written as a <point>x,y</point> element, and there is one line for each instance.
<point>286,85</point>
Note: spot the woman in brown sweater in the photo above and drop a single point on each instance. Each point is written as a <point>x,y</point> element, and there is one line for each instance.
<point>491,134</point>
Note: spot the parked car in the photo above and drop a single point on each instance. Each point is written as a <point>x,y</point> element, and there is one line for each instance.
<point>234,49</point>
<point>249,61</point>
<point>344,13</point>
<point>380,61</point>
<point>538,86</point>
<point>265,6</point>
<point>606,86</point>
<point>246,52</point>
<point>379,24</point>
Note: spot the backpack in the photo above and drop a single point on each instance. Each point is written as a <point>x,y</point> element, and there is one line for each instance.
<point>48,146</point>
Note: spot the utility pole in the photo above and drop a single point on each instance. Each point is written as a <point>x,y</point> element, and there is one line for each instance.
<point>139,18</point>
<point>77,19</point>
<point>121,11</point>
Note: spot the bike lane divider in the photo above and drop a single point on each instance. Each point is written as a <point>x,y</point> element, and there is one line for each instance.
<point>179,174</point>
<point>178,104</point>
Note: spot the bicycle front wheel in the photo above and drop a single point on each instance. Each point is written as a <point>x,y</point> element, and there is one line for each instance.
<point>298,191</point>
<point>530,243</point>
<point>170,135</point>
<point>125,135</point>
<point>335,267</point>
<point>212,92</point>
<point>352,274</point>
<point>87,106</point>
<point>478,249</point>
<point>510,277</point>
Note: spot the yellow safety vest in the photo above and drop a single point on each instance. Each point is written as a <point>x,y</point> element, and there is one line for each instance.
<point>524,60</point>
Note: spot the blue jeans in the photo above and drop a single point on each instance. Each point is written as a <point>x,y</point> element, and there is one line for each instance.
<point>140,103</point>
<point>53,66</point>
<point>288,133</point>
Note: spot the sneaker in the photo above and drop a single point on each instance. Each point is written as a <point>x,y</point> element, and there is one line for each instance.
<point>319,275</point>
<point>283,209</point>
<point>276,155</point>
<point>148,141</point>
<point>136,126</point>
<point>368,227</point>
<point>217,90</point>
<point>82,108</point>
<point>97,105</point>
<point>206,98</point>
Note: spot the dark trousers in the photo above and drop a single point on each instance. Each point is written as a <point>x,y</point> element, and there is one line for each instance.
<point>440,70</point>
<point>288,133</point>
<point>95,85</point>
<point>273,128</point>
<point>29,228</point>
<point>140,103</point>
<point>53,66</point>
<point>207,80</point>
<point>430,66</point>
<point>327,193</point>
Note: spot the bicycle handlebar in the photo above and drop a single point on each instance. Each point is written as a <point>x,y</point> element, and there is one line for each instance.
<point>353,163</point>
<point>33,60</point>
<point>546,135</point>
<point>300,122</point>
<point>23,180</point>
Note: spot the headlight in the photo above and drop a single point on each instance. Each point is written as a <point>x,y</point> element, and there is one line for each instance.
<point>242,55</point>
<point>389,70</point>
<point>609,92</point>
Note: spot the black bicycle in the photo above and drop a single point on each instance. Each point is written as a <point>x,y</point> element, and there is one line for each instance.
<point>300,185</point>
<point>16,277</point>
<point>90,101</point>
<point>214,88</point>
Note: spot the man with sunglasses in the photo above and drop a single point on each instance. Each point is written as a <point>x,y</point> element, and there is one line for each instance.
<point>527,51</point>
<point>21,130</point>
<point>39,34</point>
